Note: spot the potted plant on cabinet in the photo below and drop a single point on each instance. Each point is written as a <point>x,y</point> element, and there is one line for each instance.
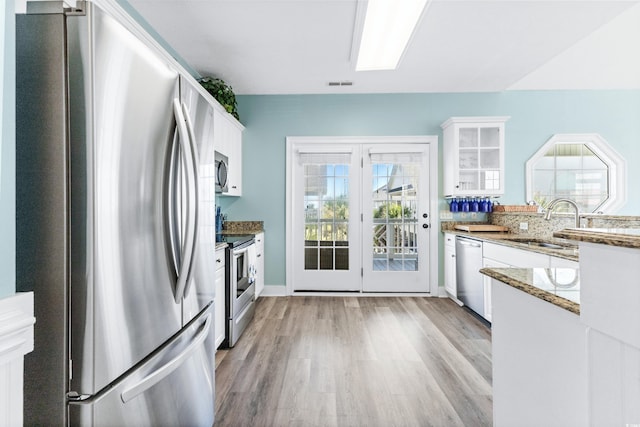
<point>222,92</point>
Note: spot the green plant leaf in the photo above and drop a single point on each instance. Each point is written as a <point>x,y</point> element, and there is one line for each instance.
<point>222,93</point>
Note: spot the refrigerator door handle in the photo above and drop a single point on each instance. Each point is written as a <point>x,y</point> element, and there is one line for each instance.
<point>188,245</point>
<point>162,372</point>
<point>194,194</point>
<point>173,216</point>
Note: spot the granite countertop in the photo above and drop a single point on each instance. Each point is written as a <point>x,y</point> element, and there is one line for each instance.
<point>559,286</point>
<point>242,227</point>
<point>569,250</point>
<point>623,237</point>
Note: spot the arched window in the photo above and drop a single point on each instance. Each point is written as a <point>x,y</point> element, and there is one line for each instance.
<point>580,167</point>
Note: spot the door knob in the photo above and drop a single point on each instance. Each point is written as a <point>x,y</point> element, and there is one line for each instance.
<point>425,215</point>
<point>425,225</point>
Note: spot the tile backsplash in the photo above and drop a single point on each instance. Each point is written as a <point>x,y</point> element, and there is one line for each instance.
<point>244,226</point>
<point>534,223</point>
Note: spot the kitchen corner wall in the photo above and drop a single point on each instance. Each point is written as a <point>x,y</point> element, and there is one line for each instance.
<point>535,117</point>
<point>7,151</point>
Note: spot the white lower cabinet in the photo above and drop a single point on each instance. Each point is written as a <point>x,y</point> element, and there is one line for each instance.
<point>219,324</point>
<point>609,300</point>
<point>514,257</point>
<point>259,264</point>
<point>501,256</point>
<point>539,362</point>
<point>450,283</point>
<point>489,263</point>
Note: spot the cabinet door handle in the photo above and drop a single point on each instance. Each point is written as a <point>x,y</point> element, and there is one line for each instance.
<point>259,255</point>
<point>218,260</point>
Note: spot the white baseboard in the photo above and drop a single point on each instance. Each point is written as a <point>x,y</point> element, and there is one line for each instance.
<point>16,340</point>
<point>281,291</point>
<point>274,291</point>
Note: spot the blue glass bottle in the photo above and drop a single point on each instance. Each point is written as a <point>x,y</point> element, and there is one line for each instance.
<point>453,205</point>
<point>484,205</point>
<point>465,205</point>
<point>475,207</point>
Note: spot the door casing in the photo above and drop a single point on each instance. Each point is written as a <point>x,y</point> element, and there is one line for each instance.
<point>292,222</point>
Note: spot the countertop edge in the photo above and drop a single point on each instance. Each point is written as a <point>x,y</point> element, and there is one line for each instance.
<point>503,238</point>
<point>240,232</point>
<point>601,237</point>
<point>498,274</point>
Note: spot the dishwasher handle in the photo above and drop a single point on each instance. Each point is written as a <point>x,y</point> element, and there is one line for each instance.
<point>469,243</point>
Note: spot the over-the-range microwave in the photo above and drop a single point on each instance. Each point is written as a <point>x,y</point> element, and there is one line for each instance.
<point>222,163</point>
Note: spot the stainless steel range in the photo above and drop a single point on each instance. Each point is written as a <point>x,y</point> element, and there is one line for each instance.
<point>240,285</point>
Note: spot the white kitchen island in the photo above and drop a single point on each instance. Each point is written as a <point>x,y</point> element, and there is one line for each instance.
<point>563,358</point>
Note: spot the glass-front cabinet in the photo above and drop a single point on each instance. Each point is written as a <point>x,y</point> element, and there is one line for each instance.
<point>474,156</point>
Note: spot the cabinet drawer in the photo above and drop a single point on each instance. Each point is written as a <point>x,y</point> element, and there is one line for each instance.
<point>515,257</point>
<point>449,239</point>
<point>557,262</point>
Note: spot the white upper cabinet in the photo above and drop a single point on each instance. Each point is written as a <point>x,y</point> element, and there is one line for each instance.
<point>227,134</point>
<point>473,156</point>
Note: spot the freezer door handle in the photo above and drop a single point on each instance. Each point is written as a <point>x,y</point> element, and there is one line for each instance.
<point>162,372</point>
<point>194,195</point>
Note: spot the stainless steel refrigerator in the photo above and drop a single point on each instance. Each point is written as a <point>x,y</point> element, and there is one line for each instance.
<point>115,222</point>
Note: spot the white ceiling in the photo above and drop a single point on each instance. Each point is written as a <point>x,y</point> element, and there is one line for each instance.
<point>298,46</point>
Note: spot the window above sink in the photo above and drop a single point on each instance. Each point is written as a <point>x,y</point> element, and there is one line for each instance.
<point>580,167</point>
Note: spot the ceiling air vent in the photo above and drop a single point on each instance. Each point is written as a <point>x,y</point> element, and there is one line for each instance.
<point>340,83</point>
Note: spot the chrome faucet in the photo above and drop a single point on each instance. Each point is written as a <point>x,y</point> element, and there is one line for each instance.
<point>553,204</point>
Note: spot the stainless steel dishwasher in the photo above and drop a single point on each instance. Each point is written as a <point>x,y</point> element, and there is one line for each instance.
<point>470,281</point>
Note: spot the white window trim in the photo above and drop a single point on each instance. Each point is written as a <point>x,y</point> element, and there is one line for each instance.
<point>294,143</point>
<point>596,143</point>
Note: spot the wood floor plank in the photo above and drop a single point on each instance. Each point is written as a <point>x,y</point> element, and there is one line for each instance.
<point>366,361</point>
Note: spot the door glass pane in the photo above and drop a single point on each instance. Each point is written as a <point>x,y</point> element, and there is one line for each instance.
<point>395,195</point>
<point>326,214</point>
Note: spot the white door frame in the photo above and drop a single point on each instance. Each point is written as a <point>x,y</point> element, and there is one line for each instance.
<point>433,231</point>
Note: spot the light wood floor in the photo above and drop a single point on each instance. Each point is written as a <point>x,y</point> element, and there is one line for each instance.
<point>347,361</point>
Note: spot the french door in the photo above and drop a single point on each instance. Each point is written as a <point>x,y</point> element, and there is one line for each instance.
<point>327,252</point>
<point>395,218</point>
<point>359,216</point>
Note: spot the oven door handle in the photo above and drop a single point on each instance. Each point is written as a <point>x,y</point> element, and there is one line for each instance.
<point>240,251</point>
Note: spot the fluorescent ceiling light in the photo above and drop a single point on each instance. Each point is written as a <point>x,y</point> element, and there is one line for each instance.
<point>388,26</point>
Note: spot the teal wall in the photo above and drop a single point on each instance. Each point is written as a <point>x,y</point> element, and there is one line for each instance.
<point>7,151</point>
<point>535,116</point>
